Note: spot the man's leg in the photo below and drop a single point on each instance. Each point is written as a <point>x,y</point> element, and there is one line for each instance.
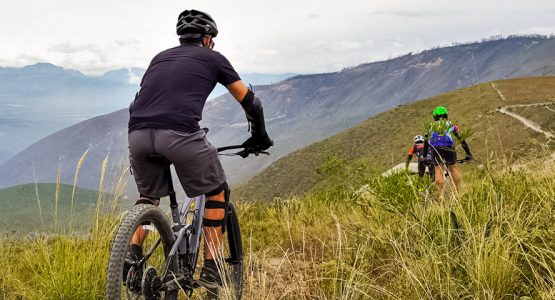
<point>214,217</point>
<point>431,171</point>
<point>456,175</point>
<point>135,252</point>
<point>149,177</point>
<point>421,168</point>
<point>140,234</point>
<point>214,211</point>
<point>440,178</point>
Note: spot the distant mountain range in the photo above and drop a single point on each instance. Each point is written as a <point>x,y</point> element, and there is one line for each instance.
<point>41,99</point>
<point>300,110</point>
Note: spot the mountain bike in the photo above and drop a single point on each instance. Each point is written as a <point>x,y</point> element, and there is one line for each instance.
<point>170,262</point>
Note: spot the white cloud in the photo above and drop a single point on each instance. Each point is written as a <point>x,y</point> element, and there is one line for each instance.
<point>540,30</point>
<point>133,78</point>
<point>415,13</point>
<point>263,36</point>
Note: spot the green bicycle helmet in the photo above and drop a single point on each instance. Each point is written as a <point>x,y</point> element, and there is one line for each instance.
<point>440,110</point>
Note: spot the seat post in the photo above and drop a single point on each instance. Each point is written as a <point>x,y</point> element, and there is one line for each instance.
<point>171,193</point>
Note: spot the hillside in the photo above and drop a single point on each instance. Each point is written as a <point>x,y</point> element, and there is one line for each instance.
<point>20,211</point>
<point>542,115</point>
<point>40,99</point>
<point>384,140</point>
<point>391,241</point>
<point>299,111</point>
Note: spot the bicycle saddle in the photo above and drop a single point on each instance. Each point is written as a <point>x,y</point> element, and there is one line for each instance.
<point>158,159</point>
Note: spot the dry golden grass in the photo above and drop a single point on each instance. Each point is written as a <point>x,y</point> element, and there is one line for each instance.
<point>383,141</point>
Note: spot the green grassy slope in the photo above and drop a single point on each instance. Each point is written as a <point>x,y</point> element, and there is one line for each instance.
<point>383,141</point>
<point>20,207</point>
<point>393,240</point>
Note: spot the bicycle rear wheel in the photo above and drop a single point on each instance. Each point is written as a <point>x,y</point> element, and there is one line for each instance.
<point>159,239</point>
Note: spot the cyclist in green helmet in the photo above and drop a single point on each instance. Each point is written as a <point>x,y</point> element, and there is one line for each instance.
<point>442,146</point>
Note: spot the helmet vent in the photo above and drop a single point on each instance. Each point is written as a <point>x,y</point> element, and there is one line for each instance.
<point>194,21</point>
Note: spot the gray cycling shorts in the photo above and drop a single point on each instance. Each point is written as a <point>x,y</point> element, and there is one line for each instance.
<point>196,161</point>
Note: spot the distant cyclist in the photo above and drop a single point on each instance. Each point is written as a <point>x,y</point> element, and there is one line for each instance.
<point>442,147</point>
<point>164,119</point>
<point>423,161</point>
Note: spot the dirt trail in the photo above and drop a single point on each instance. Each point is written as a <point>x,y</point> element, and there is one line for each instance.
<point>528,123</point>
<point>498,91</point>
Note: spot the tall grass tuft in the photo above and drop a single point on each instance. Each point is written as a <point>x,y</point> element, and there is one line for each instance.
<point>362,237</point>
<point>75,178</point>
<point>392,240</point>
<point>66,261</point>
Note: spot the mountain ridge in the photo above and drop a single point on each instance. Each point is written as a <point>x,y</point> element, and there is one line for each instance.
<point>40,99</point>
<point>309,108</point>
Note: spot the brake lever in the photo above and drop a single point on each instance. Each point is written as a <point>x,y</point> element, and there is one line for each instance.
<point>246,152</point>
<point>258,152</point>
<point>243,153</point>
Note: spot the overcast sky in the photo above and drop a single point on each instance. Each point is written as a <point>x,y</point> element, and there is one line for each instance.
<point>303,36</point>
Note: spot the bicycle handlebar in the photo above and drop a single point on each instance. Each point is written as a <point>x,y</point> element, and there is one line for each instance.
<point>464,160</point>
<point>225,148</point>
<point>243,153</point>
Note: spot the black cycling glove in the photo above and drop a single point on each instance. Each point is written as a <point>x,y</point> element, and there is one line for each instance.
<point>258,142</point>
<point>255,115</point>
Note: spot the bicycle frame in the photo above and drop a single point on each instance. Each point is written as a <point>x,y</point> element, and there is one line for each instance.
<point>187,235</point>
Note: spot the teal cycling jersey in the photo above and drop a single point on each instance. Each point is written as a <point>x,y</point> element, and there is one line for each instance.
<point>442,134</point>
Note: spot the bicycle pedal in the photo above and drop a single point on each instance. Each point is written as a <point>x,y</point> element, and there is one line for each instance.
<point>195,284</point>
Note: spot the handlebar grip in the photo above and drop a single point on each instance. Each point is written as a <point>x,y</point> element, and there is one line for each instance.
<point>243,153</point>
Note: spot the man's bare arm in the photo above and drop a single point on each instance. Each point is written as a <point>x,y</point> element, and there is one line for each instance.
<point>237,90</point>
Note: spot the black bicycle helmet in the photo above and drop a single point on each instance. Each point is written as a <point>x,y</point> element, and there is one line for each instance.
<point>196,22</point>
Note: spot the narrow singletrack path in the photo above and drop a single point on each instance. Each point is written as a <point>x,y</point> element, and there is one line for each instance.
<point>527,122</point>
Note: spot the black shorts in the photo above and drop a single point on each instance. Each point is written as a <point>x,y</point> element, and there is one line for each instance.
<point>443,156</point>
<point>196,161</point>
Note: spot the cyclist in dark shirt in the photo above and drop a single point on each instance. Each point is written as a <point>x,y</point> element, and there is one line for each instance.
<point>423,161</point>
<point>164,119</point>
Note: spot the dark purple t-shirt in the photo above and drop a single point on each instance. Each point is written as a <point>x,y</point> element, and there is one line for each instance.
<point>175,87</point>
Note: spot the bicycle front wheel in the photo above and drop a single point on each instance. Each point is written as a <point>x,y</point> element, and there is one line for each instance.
<point>144,281</point>
<point>234,263</point>
<point>230,261</point>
